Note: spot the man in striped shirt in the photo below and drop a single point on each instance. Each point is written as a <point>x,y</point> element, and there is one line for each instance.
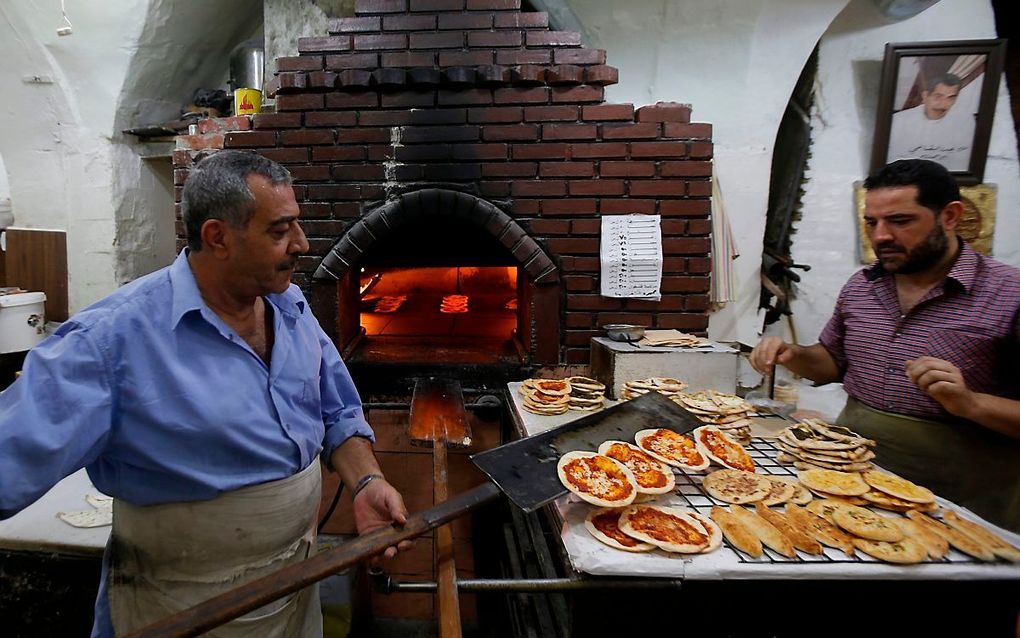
<point>927,344</point>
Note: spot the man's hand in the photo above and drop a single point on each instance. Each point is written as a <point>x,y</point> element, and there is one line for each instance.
<point>769,352</point>
<point>378,505</point>
<point>943,382</point>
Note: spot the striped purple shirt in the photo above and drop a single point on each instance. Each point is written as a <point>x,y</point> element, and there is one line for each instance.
<point>972,320</point>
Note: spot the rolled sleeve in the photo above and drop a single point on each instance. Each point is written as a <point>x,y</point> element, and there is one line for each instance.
<point>342,412</point>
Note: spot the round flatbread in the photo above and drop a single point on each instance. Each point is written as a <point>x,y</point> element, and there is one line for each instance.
<point>604,525</point>
<point>893,504</point>
<point>720,448</point>
<point>652,475</point>
<point>780,493</point>
<point>824,507</point>
<point>737,533</point>
<point>734,486</point>
<point>670,528</point>
<point>866,524</point>
<point>904,551</point>
<point>714,532</point>
<point>898,487</point>
<point>672,448</point>
<point>597,479</point>
<point>556,387</point>
<point>834,482</point>
<point>801,494</point>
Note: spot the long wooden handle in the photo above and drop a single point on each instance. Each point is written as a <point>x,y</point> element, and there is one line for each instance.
<point>236,602</point>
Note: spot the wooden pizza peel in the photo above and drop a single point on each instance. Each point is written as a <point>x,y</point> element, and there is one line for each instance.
<point>525,470</point>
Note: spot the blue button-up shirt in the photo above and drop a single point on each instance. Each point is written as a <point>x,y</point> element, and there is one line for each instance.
<point>162,401</point>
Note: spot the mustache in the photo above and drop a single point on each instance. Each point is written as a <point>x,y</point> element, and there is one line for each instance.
<point>289,265</point>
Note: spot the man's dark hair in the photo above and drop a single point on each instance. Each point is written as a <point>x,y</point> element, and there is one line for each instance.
<point>217,188</point>
<point>949,79</point>
<point>936,187</point>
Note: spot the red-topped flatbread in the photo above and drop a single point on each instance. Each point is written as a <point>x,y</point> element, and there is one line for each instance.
<point>597,479</point>
<point>604,525</point>
<point>723,450</point>
<point>671,528</point>
<point>652,475</point>
<point>672,448</point>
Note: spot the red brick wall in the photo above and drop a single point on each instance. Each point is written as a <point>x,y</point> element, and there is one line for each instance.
<point>474,94</point>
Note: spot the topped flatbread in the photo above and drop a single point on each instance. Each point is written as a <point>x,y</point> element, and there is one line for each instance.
<point>899,487</point>
<point>735,486</point>
<point>714,532</point>
<point>834,482</point>
<point>555,387</point>
<point>780,493</point>
<point>604,525</point>
<point>671,528</point>
<point>721,449</point>
<point>652,475</point>
<point>904,551</point>
<point>867,524</point>
<point>597,479</point>
<point>801,494</point>
<point>672,448</point>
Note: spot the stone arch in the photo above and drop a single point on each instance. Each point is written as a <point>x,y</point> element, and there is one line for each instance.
<point>359,238</point>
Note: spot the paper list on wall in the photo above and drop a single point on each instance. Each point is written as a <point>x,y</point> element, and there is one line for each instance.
<point>631,256</point>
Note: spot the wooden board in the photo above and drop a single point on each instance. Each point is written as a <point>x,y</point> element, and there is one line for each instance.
<point>36,260</point>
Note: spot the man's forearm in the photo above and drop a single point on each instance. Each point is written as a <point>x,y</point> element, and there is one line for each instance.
<point>354,459</point>
<point>813,362</point>
<point>996,413</point>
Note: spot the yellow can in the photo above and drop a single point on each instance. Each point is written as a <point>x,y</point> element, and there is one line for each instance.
<point>247,101</point>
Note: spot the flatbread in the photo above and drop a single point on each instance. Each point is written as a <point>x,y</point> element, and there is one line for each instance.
<point>669,528</point>
<point>799,538</point>
<point>736,532</point>
<point>652,475</point>
<point>904,551</point>
<point>822,530</point>
<point>866,524</point>
<point>597,479</point>
<point>765,531</point>
<point>936,546</point>
<point>893,504</point>
<point>834,482</point>
<point>898,487</point>
<point>801,494</point>
<point>734,486</point>
<point>672,448</point>
<point>824,507</point>
<point>714,532</point>
<point>780,493</point>
<point>982,534</point>
<point>959,540</point>
<point>604,524</point>
<point>720,448</point>
<point>555,387</point>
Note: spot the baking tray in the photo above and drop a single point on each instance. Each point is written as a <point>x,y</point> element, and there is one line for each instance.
<point>526,469</point>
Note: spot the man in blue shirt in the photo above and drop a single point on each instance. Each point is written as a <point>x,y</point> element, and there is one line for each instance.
<point>201,397</point>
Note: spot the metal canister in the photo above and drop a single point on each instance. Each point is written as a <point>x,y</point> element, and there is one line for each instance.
<point>247,62</point>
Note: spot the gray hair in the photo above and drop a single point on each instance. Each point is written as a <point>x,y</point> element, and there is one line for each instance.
<point>217,188</point>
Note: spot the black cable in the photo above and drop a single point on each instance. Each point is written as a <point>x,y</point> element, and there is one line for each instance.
<point>332,507</point>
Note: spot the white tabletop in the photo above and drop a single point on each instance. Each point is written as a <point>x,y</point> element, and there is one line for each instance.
<point>593,557</point>
<point>37,528</point>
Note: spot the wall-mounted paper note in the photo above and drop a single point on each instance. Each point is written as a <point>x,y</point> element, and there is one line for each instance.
<point>631,256</point>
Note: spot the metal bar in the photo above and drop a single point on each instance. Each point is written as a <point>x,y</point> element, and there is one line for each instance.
<point>535,585</point>
<point>446,569</point>
<point>229,605</point>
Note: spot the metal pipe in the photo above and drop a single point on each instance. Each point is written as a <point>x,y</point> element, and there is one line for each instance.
<point>388,585</point>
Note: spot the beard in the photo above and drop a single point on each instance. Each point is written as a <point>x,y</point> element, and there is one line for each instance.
<point>919,258</point>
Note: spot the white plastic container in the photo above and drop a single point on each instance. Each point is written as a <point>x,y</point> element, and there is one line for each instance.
<point>22,321</point>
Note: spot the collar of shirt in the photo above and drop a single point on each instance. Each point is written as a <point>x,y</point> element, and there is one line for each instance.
<point>964,271</point>
<point>188,298</point>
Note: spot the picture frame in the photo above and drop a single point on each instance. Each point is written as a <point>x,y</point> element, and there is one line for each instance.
<point>937,101</point>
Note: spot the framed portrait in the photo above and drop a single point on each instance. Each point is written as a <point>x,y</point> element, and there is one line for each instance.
<point>936,101</point>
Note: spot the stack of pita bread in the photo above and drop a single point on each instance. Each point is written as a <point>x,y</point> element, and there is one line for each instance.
<point>390,303</point>
<point>672,338</point>
<point>727,412</point>
<point>663,385</point>
<point>813,443</point>
<point>586,394</point>
<point>454,304</point>
<point>546,396</point>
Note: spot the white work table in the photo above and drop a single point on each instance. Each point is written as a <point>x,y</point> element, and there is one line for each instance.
<point>37,528</point>
<point>590,556</point>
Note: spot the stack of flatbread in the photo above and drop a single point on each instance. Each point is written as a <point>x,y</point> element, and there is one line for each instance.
<point>454,304</point>
<point>672,338</point>
<point>663,385</point>
<point>727,412</point>
<point>390,303</point>
<point>546,397</point>
<point>813,443</point>
<point>869,488</point>
<point>586,394</point>
<point>739,487</point>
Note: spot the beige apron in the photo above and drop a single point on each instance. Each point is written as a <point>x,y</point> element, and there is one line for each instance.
<point>963,462</point>
<point>166,558</point>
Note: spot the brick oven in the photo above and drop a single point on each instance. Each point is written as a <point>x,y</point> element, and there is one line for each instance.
<point>462,147</point>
